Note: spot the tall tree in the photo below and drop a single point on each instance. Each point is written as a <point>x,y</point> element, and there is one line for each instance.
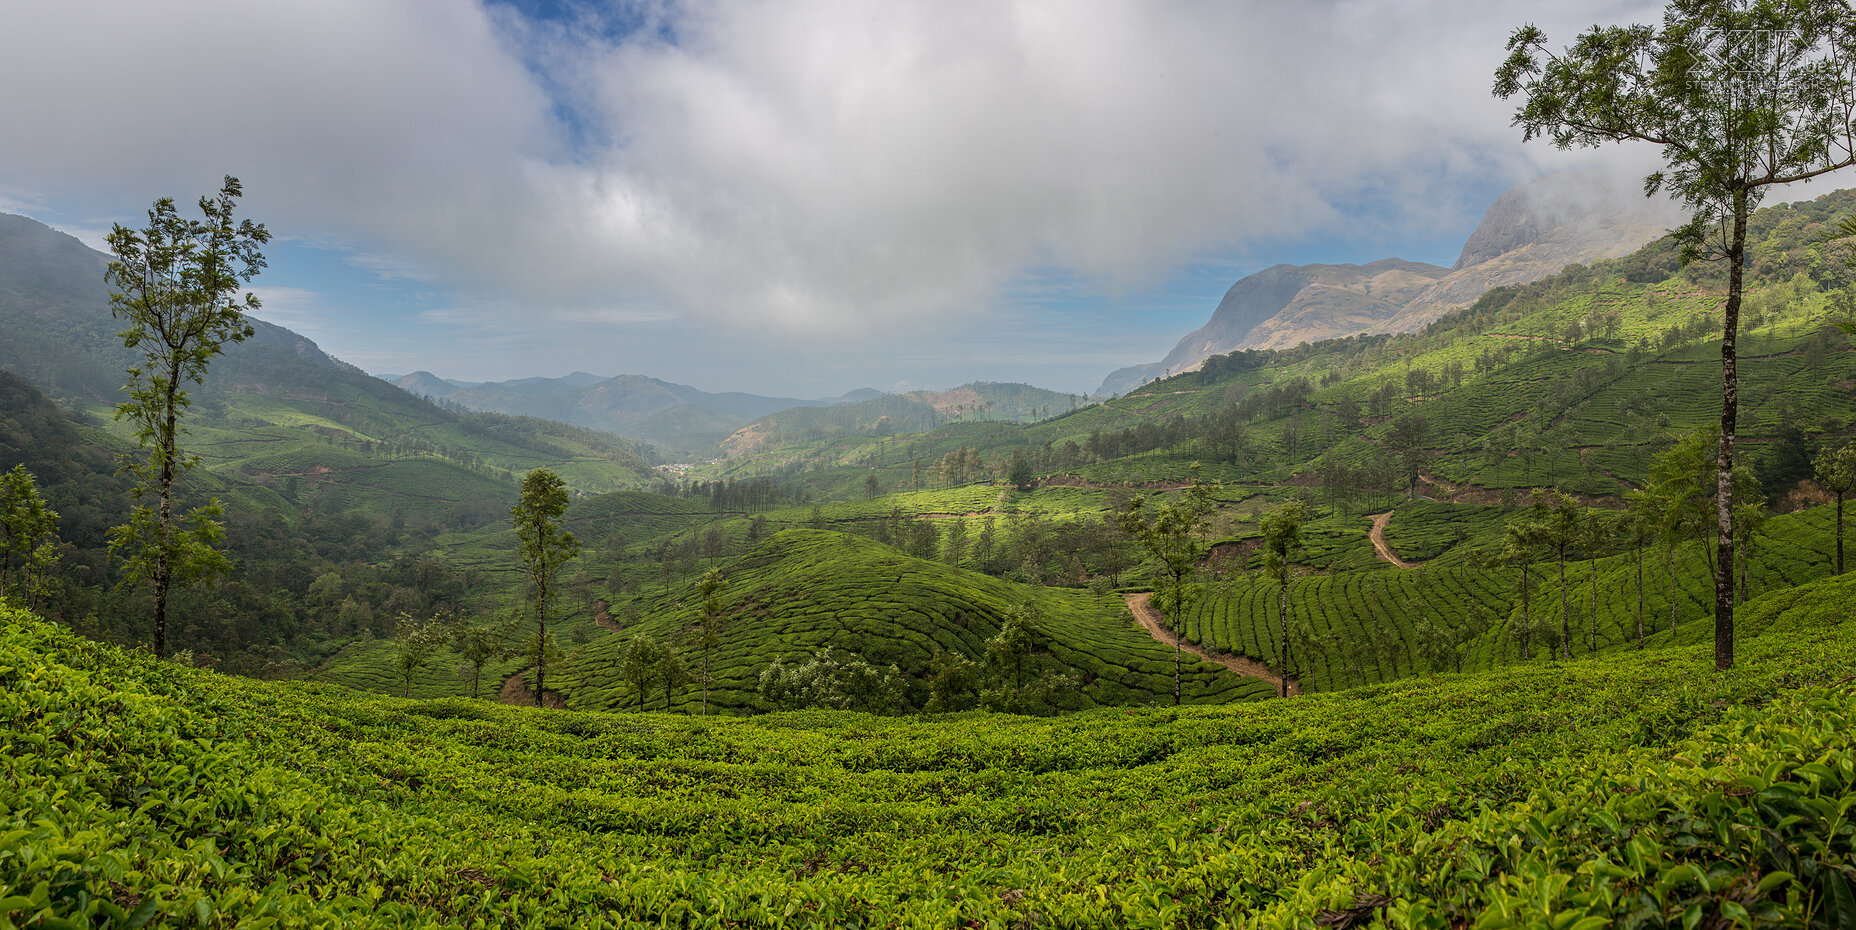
<point>1560,531</point>
<point>1678,489</point>
<point>545,546</point>
<point>1171,536</point>
<point>1019,472</point>
<point>28,538</point>
<point>414,641</point>
<point>1742,95</point>
<point>643,664</point>
<point>176,283</point>
<point>1836,473</point>
<point>710,625</point>
<point>1007,650</point>
<point>1282,536</point>
<point>477,645</point>
<point>1408,435</point>
<point>1521,540</point>
<point>1597,533</point>
<point>1639,528</point>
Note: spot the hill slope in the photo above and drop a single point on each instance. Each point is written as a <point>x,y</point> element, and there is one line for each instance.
<point>805,590</point>
<point>136,791</point>
<point>1531,231</point>
<point>683,419</point>
<point>893,414</point>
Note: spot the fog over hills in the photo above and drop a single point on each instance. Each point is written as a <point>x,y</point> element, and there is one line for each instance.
<point>682,419</point>
<point>1533,230</point>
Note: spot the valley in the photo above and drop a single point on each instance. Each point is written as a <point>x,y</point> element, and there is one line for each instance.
<point>897,658</point>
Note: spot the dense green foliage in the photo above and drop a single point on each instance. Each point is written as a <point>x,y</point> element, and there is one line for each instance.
<point>805,590</point>
<point>1631,790</point>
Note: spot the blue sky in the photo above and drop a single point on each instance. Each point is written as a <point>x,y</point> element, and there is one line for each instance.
<point>794,197</point>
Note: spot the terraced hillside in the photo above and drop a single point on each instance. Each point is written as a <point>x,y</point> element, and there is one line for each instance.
<point>802,591</point>
<point>1639,789</point>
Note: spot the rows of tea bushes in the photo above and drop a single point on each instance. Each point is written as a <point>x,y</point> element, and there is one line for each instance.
<point>1423,530</point>
<point>1364,625</point>
<point>1635,790</point>
<point>1349,628</point>
<point>803,591</point>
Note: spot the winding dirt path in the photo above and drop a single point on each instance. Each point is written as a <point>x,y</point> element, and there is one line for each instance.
<point>1378,536</point>
<point>1151,618</point>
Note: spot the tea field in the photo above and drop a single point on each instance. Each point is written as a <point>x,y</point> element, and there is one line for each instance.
<point>806,590</point>
<point>1638,790</point>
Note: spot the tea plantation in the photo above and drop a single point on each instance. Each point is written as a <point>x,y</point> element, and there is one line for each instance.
<point>1640,790</point>
<point>805,590</point>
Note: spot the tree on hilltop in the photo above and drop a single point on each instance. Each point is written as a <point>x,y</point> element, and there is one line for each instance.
<point>1741,95</point>
<point>176,282</point>
<point>545,546</point>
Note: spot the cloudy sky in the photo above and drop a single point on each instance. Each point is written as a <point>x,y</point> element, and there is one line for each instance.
<point>791,197</point>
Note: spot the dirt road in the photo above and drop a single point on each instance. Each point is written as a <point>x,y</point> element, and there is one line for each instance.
<point>1151,618</point>
<point>1378,536</point>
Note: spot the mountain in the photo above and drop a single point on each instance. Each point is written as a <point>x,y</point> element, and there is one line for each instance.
<point>682,419</point>
<point>1533,230</point>
<point>318,415</point>
<point>892,414</point>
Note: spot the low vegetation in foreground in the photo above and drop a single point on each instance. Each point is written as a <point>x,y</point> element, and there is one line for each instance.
<point>1635,789</point>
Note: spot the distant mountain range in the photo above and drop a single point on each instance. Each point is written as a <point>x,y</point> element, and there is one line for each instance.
<point>680,419</point>
<point>1534,230</point>
<point>314,416</point>
<point>891,414</point>
<point>686,421</point>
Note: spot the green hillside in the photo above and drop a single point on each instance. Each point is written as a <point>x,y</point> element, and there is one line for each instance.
<point>1633,790</point>
<point>805,590</point>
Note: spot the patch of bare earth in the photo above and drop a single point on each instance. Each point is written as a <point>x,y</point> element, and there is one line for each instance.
<point>1378,536</point>
<point>1155,622</point>
<point>516,691</point>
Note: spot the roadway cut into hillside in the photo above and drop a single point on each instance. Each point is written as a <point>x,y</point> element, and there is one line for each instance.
<point>1155,622</point>
<point>1378,536</point>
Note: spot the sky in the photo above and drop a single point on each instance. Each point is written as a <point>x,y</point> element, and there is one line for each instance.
<point>786,197</point>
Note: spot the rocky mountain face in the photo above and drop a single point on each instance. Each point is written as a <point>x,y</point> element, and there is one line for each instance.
<point>1534,230</point>
<point>1537,229</point>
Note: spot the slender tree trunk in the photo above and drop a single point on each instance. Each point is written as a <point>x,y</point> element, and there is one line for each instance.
<point>164,567</point>
<point>1592,622</point>
<point>1839,532</point>
<point>541,641</point>
<point>1640,593</point>
<point>1724,463</point>
<point>1527,619</point>
<point>1565,613</point>
<point>1282,615</point>
<point>705,680</point>
<point>1669,562</point>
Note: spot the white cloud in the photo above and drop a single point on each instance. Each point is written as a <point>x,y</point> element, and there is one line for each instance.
<point>807,166</point>
<point>296,308</point>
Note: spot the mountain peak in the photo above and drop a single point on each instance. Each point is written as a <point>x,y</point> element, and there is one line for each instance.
<point>1533,230</point>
